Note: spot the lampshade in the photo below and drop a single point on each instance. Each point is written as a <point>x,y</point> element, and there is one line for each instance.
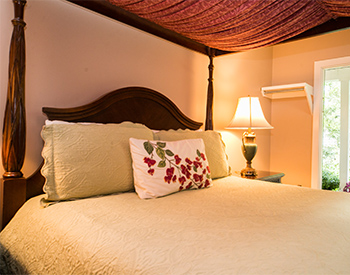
<point>249,115</point>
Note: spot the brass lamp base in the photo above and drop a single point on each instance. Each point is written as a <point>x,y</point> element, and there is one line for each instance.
<point>249,173</point>
<point>249,148</point>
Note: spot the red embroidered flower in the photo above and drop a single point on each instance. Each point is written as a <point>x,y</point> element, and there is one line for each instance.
<point>208,169</point>
<point>168,179</point>
<point>182,180</point>
<point>189,185</point>
<point>170,171</point>
<point>188,161</point>
<point>149,162</point>
<point>197,177</point>
<point>169,174</point>
<point>177,159</point>
<point>151,172</point>
<point>197,164</point>
<point>185,171</point>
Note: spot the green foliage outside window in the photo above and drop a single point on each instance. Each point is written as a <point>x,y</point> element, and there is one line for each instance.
<point>330,181</point>
<point>331,135</point>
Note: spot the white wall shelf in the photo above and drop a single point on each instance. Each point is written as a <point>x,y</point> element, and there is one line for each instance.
<point>289,91</point>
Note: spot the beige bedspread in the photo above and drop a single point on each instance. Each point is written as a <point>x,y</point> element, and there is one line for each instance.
<point>235,227</point>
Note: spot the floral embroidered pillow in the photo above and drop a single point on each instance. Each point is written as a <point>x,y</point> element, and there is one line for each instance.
<point>164,167</point>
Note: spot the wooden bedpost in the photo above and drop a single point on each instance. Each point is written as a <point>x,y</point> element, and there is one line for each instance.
<point>13,185</point>
<point>210,93</point>
<point>14,129</point>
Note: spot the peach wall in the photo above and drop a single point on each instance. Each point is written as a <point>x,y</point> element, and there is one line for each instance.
<point>291,140</point>
<point>74,56</point>
<point>238,75</point>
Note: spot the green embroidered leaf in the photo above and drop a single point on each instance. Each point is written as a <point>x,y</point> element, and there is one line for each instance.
<point>208,176</point>
<point>195,168</point>
<point>148,147</point>
<point>162,164</point>
<point>198,153</point>
<point>169,153</point>
<point>161,144</point>
<point>160,152</point>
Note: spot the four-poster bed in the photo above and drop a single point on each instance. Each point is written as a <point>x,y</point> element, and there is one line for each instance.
<point>292,244</point>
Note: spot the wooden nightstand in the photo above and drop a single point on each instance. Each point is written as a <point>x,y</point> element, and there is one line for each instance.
<point>267,176</point>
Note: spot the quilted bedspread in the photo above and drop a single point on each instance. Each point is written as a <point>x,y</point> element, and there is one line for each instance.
<point>235,227</point>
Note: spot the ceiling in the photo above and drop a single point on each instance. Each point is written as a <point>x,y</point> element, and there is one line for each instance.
<point>218,27</point>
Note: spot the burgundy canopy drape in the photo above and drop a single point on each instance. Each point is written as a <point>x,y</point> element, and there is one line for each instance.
<point>236,25</point>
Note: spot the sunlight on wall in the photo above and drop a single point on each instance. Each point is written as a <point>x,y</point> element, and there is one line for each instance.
<point>238,75</point>
<point>226,92</point>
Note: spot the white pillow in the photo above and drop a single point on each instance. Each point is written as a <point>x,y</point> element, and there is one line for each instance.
<point>84,160</point>
<point>165,167</point>
<point>214,147</point>
<point>49,122</point>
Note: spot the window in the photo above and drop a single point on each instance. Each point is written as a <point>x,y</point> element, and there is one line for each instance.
<point>335,144</point>
<point>331,120</point>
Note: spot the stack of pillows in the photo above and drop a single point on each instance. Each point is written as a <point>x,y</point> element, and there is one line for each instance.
<point>86,159</point>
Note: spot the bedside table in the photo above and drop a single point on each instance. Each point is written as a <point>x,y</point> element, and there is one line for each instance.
<point>270,176</point>
<point>267,176</point>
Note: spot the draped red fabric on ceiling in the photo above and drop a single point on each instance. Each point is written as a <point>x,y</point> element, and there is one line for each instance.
<point>236,25</point>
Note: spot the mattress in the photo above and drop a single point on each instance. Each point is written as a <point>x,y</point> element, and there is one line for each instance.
<point>237,226</point>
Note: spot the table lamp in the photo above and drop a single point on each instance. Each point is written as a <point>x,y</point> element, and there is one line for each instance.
<point>249,115</point>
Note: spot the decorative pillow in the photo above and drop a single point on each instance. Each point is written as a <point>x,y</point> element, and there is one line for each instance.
<point>165,167</point>
<point>84,160</point>
<point>214,148</point>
